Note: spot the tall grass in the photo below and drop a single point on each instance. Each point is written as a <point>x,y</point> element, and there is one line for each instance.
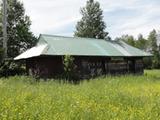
<point>118,98</point>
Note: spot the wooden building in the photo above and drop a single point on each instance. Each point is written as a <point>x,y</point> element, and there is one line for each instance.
<point>92,57</point>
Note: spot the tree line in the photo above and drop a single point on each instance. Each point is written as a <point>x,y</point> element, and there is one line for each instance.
<point>149,44</point>
<point>91,25</point>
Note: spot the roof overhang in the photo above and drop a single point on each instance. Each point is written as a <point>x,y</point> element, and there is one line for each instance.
<point>33,52</point>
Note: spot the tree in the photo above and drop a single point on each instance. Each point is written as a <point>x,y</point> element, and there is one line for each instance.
<point>91,25</point>
<point>154,49</point>
<point>152,40</point>
<point>1,46</point>
<point>141,43</point>
<point>128,39</point>
<point>20,37</point>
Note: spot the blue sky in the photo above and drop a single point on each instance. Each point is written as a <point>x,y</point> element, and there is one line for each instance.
<point>59,17</point>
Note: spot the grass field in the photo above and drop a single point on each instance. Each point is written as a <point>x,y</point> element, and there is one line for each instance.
<point>118,98</point>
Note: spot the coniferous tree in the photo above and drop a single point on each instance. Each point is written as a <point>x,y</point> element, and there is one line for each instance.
<point>91,25</point>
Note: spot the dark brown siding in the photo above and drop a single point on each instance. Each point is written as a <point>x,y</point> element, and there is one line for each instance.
<point>86,67</point>
<point>45,66</point>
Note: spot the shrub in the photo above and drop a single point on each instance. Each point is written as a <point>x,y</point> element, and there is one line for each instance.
<point>69,67</point>
<point>147,62</point>
<point>1,54</point>
<point>11,68</point>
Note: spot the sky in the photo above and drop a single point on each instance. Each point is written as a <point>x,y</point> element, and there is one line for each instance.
<point>59,17</point>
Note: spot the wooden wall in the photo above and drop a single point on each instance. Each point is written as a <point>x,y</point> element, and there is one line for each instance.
<point>86,67</point>
<point>44,66</point>
<point>97,66</point>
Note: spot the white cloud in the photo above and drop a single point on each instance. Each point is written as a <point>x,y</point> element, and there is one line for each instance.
<point>142,23</point>
<point>53,16</point>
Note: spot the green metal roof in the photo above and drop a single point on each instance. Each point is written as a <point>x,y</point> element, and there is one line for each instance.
<point>58,45</point>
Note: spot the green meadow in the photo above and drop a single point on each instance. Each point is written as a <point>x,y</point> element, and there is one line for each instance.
<point>104,98</point>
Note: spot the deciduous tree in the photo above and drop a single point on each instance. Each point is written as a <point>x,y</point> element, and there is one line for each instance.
<point>91,25</point>
<point>20,37</point>
<point>154,49</point>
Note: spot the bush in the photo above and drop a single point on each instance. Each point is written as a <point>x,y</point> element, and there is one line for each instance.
<point>147,62</point>
<point>69,68</point>
<point>11,68</point>
<point>1,54</point>
<point>156,60</point>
